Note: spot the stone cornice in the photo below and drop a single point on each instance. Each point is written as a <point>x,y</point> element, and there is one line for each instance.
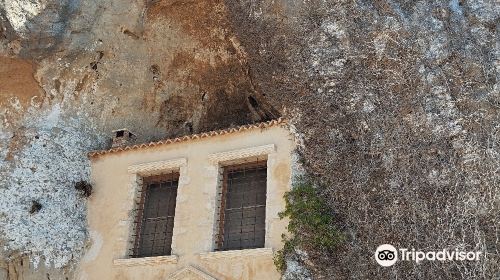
<point>260,252</point>
<point>146,261</point>
<point>242,153</point>
<point>262,125</point>
<point>151,167</point>
<point>188,273</point>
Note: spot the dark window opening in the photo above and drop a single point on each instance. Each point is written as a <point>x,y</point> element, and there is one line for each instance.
<point>120,133</point>
<point>243,207</point>
<point>155,216</point>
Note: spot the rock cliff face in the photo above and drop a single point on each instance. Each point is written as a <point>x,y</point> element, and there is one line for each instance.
<point>397,103</point>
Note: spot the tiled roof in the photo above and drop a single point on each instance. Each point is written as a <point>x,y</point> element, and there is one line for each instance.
<point>98,153</point>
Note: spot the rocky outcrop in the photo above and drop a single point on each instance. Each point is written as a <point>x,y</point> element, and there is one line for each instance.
<point>397,103</point>
<point>72,71</point>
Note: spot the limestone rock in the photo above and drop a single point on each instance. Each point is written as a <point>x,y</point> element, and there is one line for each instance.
<point>397,103</point>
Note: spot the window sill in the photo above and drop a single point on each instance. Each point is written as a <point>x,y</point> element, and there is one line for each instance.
<point>146,261</point>
<point>260,252</point>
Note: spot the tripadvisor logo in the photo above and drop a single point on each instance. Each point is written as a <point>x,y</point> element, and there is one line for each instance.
<point>387,255</point>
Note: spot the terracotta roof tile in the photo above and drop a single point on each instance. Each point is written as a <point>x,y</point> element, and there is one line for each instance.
<point>94,154</point>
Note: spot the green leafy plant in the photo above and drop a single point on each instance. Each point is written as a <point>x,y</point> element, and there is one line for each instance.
<point>311,223</point>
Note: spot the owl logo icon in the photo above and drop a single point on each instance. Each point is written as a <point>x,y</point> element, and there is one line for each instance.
<point>386,255</point>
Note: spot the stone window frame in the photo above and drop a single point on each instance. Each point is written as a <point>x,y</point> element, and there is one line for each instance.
<point>216,162</point>
<point>146,244</point>
<point>224,207</point>
<point>136,174</point>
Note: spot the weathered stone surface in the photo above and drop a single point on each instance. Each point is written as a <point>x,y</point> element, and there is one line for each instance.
<point>397,103</point>
<point>157,68</point>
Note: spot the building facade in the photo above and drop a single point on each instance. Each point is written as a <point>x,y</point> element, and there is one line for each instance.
<point>198,207</point>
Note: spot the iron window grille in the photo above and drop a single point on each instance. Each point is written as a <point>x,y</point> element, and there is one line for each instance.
<point>154,222</point>
<point>242,210</point>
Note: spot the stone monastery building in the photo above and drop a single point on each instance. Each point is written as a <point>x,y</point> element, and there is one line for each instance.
<point>203,206</point>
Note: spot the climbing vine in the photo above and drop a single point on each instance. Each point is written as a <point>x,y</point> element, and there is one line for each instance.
<point>311,226</point>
